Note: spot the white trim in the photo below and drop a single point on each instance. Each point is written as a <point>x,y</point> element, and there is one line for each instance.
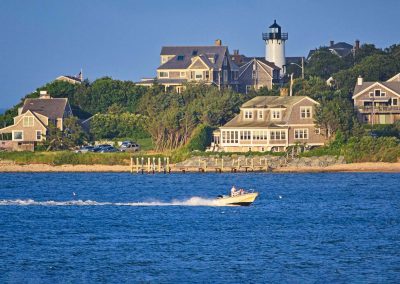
<point>304,130</point>
<point>36,135</point>
<point>373,86</point>
<point>308,98</point>
<point>12,138</point>
<point>305,108</point>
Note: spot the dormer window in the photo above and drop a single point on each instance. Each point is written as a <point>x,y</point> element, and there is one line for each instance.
<point>194,53</point>
<point>275,114</point>
<point>248,114</point>
<point>180,57</point>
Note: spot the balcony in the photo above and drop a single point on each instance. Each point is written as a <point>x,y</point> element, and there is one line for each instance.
<point>378,109</point>
<point>267,36</point>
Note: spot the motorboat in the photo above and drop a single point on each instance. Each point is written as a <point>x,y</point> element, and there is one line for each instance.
<point>239,198</point>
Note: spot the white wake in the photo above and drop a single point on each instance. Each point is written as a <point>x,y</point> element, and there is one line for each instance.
<point>193,201</point>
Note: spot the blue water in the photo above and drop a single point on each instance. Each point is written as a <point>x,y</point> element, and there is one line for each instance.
<point>122,228</point>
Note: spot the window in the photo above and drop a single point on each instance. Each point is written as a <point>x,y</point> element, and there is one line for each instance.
<point>260,135</point>
<point>395,102</point>
<point>230,137</point>
<point>207,75</point>
<point>275,114</point>
<point>164,74</point>
<point>28,121</point>
<point>39,135</point>
<point>248,88</point>
<point>301,133</point>
<point>180,57</point>
<point>183,74</point>
<point>260,114</point>
<point>317,131</point>
<point>377,93</point>
<point>212,59</point>
<point>199,75</point>
<point>194,53</point>
<point>248,114</point>
<point>245,135</point>
<point>18,135</point>
<point>254,74</point>
<point>225,75</point>
<point>277,135</point>
<point>305,112</point>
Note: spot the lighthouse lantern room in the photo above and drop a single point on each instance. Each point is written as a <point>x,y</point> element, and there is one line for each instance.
<point>275,46</point>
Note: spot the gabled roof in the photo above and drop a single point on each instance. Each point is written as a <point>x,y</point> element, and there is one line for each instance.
<point>393,86</point>
<point>395,78</point>
<point>265,65</point>
<point>342,45</point>
<point>267,102</point>
<point>52,108</point>
<point>188,52</point>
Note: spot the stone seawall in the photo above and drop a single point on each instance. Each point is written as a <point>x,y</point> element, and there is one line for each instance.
<point>255,163</point>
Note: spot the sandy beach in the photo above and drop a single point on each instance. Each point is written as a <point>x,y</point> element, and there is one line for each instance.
<point>355,167</point>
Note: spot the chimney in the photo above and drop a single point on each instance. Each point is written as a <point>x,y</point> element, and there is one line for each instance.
<point>360,80</point>
<point>236,52</point>
<point>218,42</point>
<point>284,92</point>
<point>332,43</point>
<point>44,95</point>
<point>357,45</point>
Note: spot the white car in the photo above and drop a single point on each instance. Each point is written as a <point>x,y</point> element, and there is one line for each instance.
<point>129,146</point>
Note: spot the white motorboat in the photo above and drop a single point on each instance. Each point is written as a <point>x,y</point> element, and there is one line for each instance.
<point>242,198</point>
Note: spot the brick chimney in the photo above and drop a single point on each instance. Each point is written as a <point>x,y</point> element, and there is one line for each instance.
<point>331,43</point>
<point>218,42</point>
<point>283,92</point>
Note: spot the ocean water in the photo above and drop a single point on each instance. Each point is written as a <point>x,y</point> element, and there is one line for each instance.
<point>123,228</point>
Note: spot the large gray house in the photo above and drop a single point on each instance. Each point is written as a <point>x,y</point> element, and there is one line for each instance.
<point>211,65</point>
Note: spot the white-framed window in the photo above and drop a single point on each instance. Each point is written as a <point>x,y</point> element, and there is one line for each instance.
<point>225,75</point>
<point>198,75</point>
<point>163,74</point>
<point>277,135</point>
<point>18,135</point>
<point>301,133</point>
<point>395,102</point>
<point>38,135</point>
<point>260,135</point>
<point>260,114</point>
<point>248,114</point>
<point>317,130</point>
<point>183,74</point>
<point>377,93</point>
<point>28,121</point>
<point>305,112</point>
<point>230,136</point>
<point>275,114</point>
<point>245,135</point>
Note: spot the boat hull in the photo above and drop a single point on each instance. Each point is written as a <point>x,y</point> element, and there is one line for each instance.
<point>239,200</point>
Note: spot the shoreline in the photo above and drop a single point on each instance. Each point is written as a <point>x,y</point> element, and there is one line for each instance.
<point>43,168</point>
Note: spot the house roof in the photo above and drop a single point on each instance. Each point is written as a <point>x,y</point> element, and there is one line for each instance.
<point>266,102</point>
<point>342,45</point>
<point>183,55</point>
<point>393,85</point>
<point>341,49</point>
<point>259,59</point>
<point>52,108</point>
<point>395,78</point>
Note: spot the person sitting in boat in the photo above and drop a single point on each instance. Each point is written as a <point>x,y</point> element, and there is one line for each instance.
<point>233,191</point>
<point>241,191</point>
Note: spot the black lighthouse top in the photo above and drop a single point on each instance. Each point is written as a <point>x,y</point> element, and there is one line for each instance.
<point>275,32</point>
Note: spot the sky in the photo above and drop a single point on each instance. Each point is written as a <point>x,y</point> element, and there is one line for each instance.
<point>43,39</point>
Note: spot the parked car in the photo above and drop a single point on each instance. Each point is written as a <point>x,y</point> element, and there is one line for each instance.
<point>85,149</point>
<point>109,149</point>
<point>129,146</point>
<point>100,147</point>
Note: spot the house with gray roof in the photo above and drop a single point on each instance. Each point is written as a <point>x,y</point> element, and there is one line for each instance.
<point>270,123</point>
<point>377,102</point>
<point>340,49</point>
<point>33,119</point>
<point>211,65</point>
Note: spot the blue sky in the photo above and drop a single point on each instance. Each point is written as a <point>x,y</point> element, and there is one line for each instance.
<point>40,40</point>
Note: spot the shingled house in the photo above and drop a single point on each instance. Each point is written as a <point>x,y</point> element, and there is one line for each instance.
<point>211,65</point>
<point>30,125</point>
<point>267,123</point>
<point>378,102</point>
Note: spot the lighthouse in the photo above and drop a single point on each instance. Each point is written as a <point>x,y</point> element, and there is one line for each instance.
<point>275,46</point>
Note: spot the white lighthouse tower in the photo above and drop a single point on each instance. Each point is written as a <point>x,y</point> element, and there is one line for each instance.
<point>275,46</point>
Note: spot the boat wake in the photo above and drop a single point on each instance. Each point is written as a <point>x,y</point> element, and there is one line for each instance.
<point>193,201</point>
